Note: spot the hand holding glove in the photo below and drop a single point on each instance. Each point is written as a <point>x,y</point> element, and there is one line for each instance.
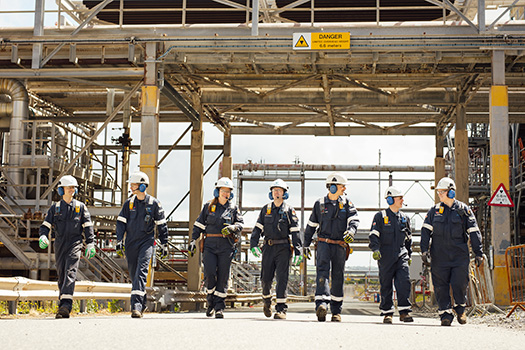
<point>192,248</point>
<point>228,230</point>
<point>425,256</point>
<point>90,251</point>
<point>43,242</point>
<point>297,260</point>
<point>120,249</point>
<point>376,255</point>
<point>164,250</point>
<point>479,261</point>
<point>348,236</point>
<point>256,251</point>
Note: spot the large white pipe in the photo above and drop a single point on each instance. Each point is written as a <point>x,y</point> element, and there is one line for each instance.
<point>19,101</point>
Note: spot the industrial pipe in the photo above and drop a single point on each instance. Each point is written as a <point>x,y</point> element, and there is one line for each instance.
<point>332,167</point>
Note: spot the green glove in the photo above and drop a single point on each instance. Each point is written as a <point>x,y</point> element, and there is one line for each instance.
<point>228,230</point>
<point>120,249</point>
<point>43,242</point>
<point>90,251</point>
<point>409,261</point>
<point>297,260</point>
<point>256,251</point>
<point>376,255</point>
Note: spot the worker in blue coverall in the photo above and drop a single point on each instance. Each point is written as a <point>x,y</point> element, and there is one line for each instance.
<point>137,220</point>
<point>335,220</point>
<point>446,231</point>
<point>276,223</point>
<point>391,242</point>
<point>67,219</point>
<point>220,223</point>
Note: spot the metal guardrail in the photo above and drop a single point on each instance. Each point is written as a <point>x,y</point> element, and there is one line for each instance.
<point>481,289</point>
<point>515,264</point>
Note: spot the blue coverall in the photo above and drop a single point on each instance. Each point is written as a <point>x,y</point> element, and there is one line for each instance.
<point>137,220</point>
<point>446,231</point>
<point>391,235</point>
<point>276,224</point>
<point>330,219</point>
<point>68,221</point>
<point>218,250</point>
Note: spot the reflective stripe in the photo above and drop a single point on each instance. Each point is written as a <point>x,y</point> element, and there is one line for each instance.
<point>66,296</point>
<point>240,224</point>
<point>313,224</point>
<point>123,219</point>
<point>473,229</point>
<point>87,224</point>
<point>438,206</point>
<point>267,296</point>
<point>161,210</point>
<point>322,297</point>
<point>428,226</point>
<point>353,217</point>
<point>260,226</point>
<point>390,311</point>
<point>160,222</point>
<point>462,305</point>
<point>334,298</point>
<point>219,294</point>
<point>294,229</point>
<point>210,291</point>
<point>401,308</point>
<point>447,311</point>
<point>199,225</point>
<point>375,232</point>
<point>280,300</point>
<point>138,292</point>
<point>47,224</point>
<point>150,201</point>
<point>383,212</point>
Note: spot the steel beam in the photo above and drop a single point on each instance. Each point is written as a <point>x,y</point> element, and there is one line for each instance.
<point>338,131</point>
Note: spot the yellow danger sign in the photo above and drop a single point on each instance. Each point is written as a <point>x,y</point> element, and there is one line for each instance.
<point>321,41</point>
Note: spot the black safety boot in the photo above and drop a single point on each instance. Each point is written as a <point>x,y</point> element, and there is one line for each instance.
<point>136,314</point>
<point>267,309</point>
<point>387,319</point>
<point>406,317</point>
<point>209,311</point>
<point>321,313</point>
<point>63,312</point>
<point>219,314</point>
<point>446,322</point>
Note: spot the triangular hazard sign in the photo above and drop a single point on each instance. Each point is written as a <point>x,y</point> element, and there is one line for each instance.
<point>501,197</point>
<point>301,42</point>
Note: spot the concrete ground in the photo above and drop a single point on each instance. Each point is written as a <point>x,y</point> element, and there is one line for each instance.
<point>247,328</point>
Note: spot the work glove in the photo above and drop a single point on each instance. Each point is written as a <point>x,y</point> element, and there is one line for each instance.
<point>409,261</point>
<point>43,242</point>
<point>164,250</point>
<point>479,261</point>
<point>228,230</point>
<point>120,249</point>
<point>376,255</point>
<point>307,253</point>
<point>256,251</point>
<point>192,248</point>
<point>90,251</point>
<point>348,237</point>
<point>297,260</point>
<point>425,256</point>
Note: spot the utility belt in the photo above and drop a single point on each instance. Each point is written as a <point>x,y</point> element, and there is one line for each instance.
<point>341,243</point>
<point>204,235</point>
<point>270,242</point>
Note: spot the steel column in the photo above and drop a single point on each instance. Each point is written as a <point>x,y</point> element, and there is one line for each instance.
<point>499,173</point>
<point>439,161</point>
<point>227,164</point>
<point>38,30</point>
<point>461,153</point>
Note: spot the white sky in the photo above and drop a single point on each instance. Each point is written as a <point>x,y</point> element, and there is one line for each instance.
<point>355,150</point>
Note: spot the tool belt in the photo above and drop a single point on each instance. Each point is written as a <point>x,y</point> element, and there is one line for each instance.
<point>272,242</point>
<point>341,243</point>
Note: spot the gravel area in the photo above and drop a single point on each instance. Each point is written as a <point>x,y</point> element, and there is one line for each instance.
<point>516,321</point>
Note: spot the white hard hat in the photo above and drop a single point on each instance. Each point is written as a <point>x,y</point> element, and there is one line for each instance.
<point>139,177</point>
<point>393,191</point>
<point>224,182</point>
<point>336,179</point>
<point>67,180</point>
<point>279,183</point>
<point>446,183</point>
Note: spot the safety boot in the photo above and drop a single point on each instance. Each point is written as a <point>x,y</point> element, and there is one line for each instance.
<point>209,311</point>
<point>63,312</point>
<point>446,322</point>
<point>136,314</point>
<point>267,309</point>
<point>280,315</point>
<point>387,319</point>
<point>462,318</point>
<point>321,313</point>
<point>336,318</point>
<point>219,314</point>
<point>405,317</point>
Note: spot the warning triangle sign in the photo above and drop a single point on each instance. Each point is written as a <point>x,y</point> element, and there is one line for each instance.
<point>501,197</point>
<point>302,42</point>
